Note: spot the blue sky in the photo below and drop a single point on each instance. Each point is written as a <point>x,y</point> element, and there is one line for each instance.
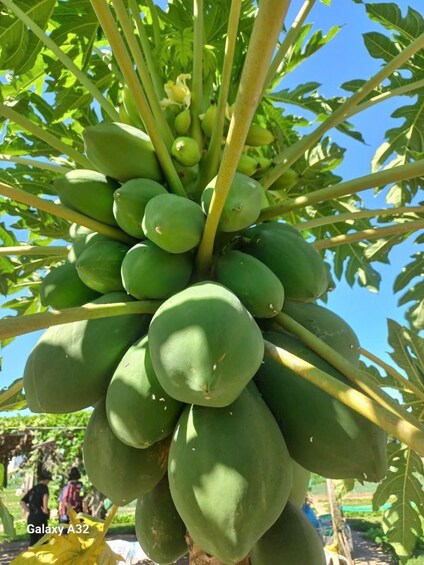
<point>343,59</point>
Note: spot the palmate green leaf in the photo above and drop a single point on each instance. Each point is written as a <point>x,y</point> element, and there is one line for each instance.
<point>7,520</point>
<point>408,352</point>
<point>412,276</point>
<point>15,402</point>
<point>19,46</point>
<point>402,523</point>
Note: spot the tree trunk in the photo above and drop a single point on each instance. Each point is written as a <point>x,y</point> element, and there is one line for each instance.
<point>198,557</point>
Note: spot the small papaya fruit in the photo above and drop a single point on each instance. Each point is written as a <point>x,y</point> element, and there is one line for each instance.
<point>88,192</point>
<point>292,539</point>
<point>71,365</point>
<point>158,526</point>
<point>130,200</point>
<point>247,165</point>
<point>259,290</point>
<point>131,109</point>
<point>296,263</point>
<point>322,434</point>
<point>278,227</point>
<point>186,151</point>
<point>139,411</point>
<point>62,288</point>
<point>242,206</point>
<point>173,222</point>
<point>258,136</point>
<point>135,471</point>
<point>99,265</point>
<point>121,152</point>
<point>208,120</point>
<point>229,474</point>
<point>288,179</point>
<point>328,326</point>
<point>150,272</point>
<point>182,122</point>
<point>263,164</point>
<point>193,348</point>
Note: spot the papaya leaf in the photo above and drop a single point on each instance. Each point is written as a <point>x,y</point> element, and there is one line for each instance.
<point>401,522</point>
<point>7,520</point>
<point>412,275</point>
<point>408,352</point>
<point>12,398</point>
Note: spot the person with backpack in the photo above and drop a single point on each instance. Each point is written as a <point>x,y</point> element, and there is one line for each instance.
<point>71,494</point>
<point>36,505</point>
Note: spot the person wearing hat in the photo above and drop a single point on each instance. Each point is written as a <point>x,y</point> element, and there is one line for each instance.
<point>36,504</point>
<point>71,494</point>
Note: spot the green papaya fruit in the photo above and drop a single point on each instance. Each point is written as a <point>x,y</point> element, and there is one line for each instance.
<point>149,272</point>
<point>130,201</point>
<point>296,263</point>
<point>288,179</point>
<point>174,223</point>
<point>62,288</point>
<point>186,151</point>
<point>119,471</point>
<point>131,109</point>
<point>247,165</point>
<point>71,365</point>
<point>278,227</point>
<point>121,152</point>
<point>258,289</point>
<point>182,122</point>
<point>229,474</point>
<point>204,345</point>
<point>88,192</point>
<point>300,483</point>
<point>82,242</point>
<point>292,540</point>
<point>208,120</point>
<point>242,206</point>
<point>139,411</point>
<point>99,265</point>
<point>263,164</point>
<point>258,136</point>
<point>158,526</point>
<point>323,435</point>
<point>328,326</point>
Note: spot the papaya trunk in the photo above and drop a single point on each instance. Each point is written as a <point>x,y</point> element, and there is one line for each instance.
<point>198,557</point>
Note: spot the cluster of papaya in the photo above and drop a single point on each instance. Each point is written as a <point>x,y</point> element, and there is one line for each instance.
<point>190,418</point>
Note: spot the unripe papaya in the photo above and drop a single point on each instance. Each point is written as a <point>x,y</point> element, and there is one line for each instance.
<point>242,206</point>
<point>263,164</point>
<point>88,192</point>
<point>292,540</point>
<point>62,288</point>
<point>131,109</point>
<point>121,152</point>
<point>247,165</point>
<point>158,526</point>
<point>188,175</point>
<point>229,474</point>
<point>82,242</point>
<point>182,122</point>
<point>204,345</point>
<point>296,263</point>
<point>186,151</point>
<point>288,179</point>
<point>135,471</point>
<point>99,266</point>
<point>259,290</point>
<point>130,201</point>
<point>278,227</point>
<point>328,326</point>
<point>209,119</point>
<point>322,434</point>
<point>150,272</point>
<point>139,411</point>
<point>300,483</point>
<point>71,364</point>
<point>173,222</point>
<point>257,136</point>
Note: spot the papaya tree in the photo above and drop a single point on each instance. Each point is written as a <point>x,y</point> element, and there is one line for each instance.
<point>171,227</point>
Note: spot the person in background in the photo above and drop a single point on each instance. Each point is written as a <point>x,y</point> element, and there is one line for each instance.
<point>310,512</point>
<point>71,494</point>
<point>36,505</point>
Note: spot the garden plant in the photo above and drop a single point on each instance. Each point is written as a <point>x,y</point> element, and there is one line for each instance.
<point>174,226</point>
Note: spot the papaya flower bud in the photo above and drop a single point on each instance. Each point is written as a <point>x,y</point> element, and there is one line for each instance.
<point>179,92</point>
